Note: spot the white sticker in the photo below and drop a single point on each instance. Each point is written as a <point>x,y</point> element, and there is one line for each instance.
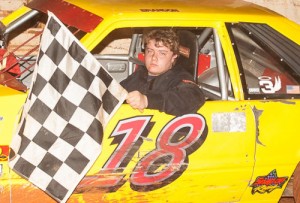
<point>293,89</point>
<point>254,90</point>
<point>229,122</point>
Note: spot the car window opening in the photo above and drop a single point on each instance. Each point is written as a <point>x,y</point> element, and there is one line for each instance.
<point>202,63</point>
<point>268,60</point>
<point>121,52</point>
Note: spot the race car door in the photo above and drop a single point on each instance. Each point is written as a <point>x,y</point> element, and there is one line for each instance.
<point>210,154</point>
<point>224,163</point>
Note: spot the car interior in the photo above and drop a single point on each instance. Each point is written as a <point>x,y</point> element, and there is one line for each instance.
<point>197,55</point>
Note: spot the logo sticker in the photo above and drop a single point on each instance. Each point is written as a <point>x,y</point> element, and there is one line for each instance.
<point>267,85</point>
<point>268,183</point>
<point>4,151</point>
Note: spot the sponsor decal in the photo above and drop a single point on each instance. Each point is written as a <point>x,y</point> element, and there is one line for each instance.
<point>253,90</point>
<point>267,85</point>
<point>159,10</point>
<point>4,151</point>
<point>268,183</point>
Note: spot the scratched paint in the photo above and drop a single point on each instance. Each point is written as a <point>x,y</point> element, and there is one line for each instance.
<point>257,113</point>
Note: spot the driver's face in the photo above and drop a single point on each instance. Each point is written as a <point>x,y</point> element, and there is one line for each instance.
<point>158,59</point>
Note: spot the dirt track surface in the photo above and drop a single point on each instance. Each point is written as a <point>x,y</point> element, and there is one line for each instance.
<point>287,200</point>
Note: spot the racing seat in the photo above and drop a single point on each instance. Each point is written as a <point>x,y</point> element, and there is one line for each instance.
<point>189,62</point>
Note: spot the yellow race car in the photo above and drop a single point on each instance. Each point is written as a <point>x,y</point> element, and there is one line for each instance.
<point>241,146</point>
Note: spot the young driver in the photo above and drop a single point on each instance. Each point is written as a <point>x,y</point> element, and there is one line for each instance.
<point>158,85</point>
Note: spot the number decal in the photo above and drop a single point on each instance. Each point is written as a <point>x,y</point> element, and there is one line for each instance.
<point>126,134</point>
<point>161,166</point>
<point>169,160</point>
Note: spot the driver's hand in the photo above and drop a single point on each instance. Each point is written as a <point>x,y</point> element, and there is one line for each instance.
<point>137,100</point>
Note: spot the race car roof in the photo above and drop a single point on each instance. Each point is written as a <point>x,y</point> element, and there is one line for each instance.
<point>87,14</point>
<point>113,7</point>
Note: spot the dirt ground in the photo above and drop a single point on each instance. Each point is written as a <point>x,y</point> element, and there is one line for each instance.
<point>287,200</point>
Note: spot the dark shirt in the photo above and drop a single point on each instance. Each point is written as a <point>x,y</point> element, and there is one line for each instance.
<point>172,92</point>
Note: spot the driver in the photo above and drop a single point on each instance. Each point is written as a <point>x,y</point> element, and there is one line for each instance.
<point>157,85</point>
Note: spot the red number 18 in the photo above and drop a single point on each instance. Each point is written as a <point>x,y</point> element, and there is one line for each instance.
<point>161,166</point>
<point>168,161</point>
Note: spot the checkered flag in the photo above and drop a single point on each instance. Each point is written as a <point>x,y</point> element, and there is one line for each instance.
<point>71,100</point>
